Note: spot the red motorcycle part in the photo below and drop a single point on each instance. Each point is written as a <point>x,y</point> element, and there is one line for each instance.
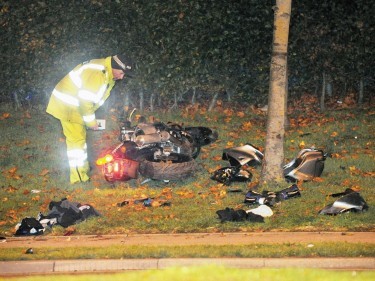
<point>120,170</point>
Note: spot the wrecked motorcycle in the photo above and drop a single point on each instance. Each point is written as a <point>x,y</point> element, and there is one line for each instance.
<point>156,151</point>
<point>308,164</point>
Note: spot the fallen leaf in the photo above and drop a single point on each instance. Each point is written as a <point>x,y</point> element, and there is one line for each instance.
<point>240,114</point>
<point>44,172</point>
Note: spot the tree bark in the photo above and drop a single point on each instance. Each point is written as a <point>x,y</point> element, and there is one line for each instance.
<point>193,97</point>
<point>175,104</point>
<point>213,102</point>
<point>152,100</point>
<point>361,91</point>
<point>272,168</point>
<point>323,95</point>
<point>141,100</point>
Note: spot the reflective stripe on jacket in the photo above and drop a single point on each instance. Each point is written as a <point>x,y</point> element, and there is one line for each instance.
<point>82,91</point>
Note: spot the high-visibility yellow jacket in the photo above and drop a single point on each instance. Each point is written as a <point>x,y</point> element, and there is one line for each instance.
<point>82,91</point>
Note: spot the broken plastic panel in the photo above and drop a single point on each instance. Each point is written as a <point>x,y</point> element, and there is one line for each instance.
<point>246,154</point>
<point>227,175</point>
<point>351,202</point>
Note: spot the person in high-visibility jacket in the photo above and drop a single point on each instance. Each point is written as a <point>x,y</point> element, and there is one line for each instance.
<point>74,101</point>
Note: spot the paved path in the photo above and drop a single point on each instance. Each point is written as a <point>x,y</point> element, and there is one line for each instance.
<point>189,239</point>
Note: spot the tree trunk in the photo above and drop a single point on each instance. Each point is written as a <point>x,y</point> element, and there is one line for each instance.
<point>126,98</point>
<point>193,97</point>
<point>213,102</point>
<point>159,101</point>
<point>323,95</point>
<point>141,100</point>
<point>16,100</point>
<point>229,95</point>
<point>152,98</point>
<point>175,104</point>
<point>272,168</point>
<point>286,121</point>
<point>361,91</point>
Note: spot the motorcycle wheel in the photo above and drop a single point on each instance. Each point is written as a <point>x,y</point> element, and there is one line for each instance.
<point>181,167</point>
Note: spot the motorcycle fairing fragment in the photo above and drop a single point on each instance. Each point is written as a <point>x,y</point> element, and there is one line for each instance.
<point>227,175</point>
<point>351,202</point>
<point>271,198</point>
<point>246,154</point>
<point>308,164</point>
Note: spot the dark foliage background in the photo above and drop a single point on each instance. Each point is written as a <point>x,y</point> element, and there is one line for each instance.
<point>210,46</point>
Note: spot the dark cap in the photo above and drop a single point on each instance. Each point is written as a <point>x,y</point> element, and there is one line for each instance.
<point>124,63</point>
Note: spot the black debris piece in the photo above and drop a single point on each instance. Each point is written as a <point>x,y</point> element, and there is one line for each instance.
<point>351,202</point>
<point>229,214</point>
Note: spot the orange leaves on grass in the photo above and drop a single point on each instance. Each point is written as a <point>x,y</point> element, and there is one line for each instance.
<point>218,191</point>
<point>12,173</point>
<point>216,158</point>
<point>230,144</point>
<point>246,126</point>
<point>240,114</point>
<point>234,135</point>
<point>334,134</point>
<point>228,112</point>
<point>318,179</point>
<point>5,115</point>
<point>167,193</point>
<point>44,172</point>
<point>187,194</point>
<point>337,155</point>
<point>354,170</point>
<point>12,170</point>
<point>24,143</point>
<point>301,144</point>
<point>27,115</point>
<point>368,174</point>
<point>12,215</point>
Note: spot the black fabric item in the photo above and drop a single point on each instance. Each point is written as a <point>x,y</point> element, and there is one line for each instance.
<point>29,226</point>
<point>254,217</point>
<point>229,214</point>
<point>68,213</point>
<point>89,211</point>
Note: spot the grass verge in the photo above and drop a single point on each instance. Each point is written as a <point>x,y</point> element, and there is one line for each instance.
<point>34,172</point>
<point>200,251</point>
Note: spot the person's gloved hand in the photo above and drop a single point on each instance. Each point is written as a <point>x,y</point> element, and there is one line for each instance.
<point>94,127</point>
